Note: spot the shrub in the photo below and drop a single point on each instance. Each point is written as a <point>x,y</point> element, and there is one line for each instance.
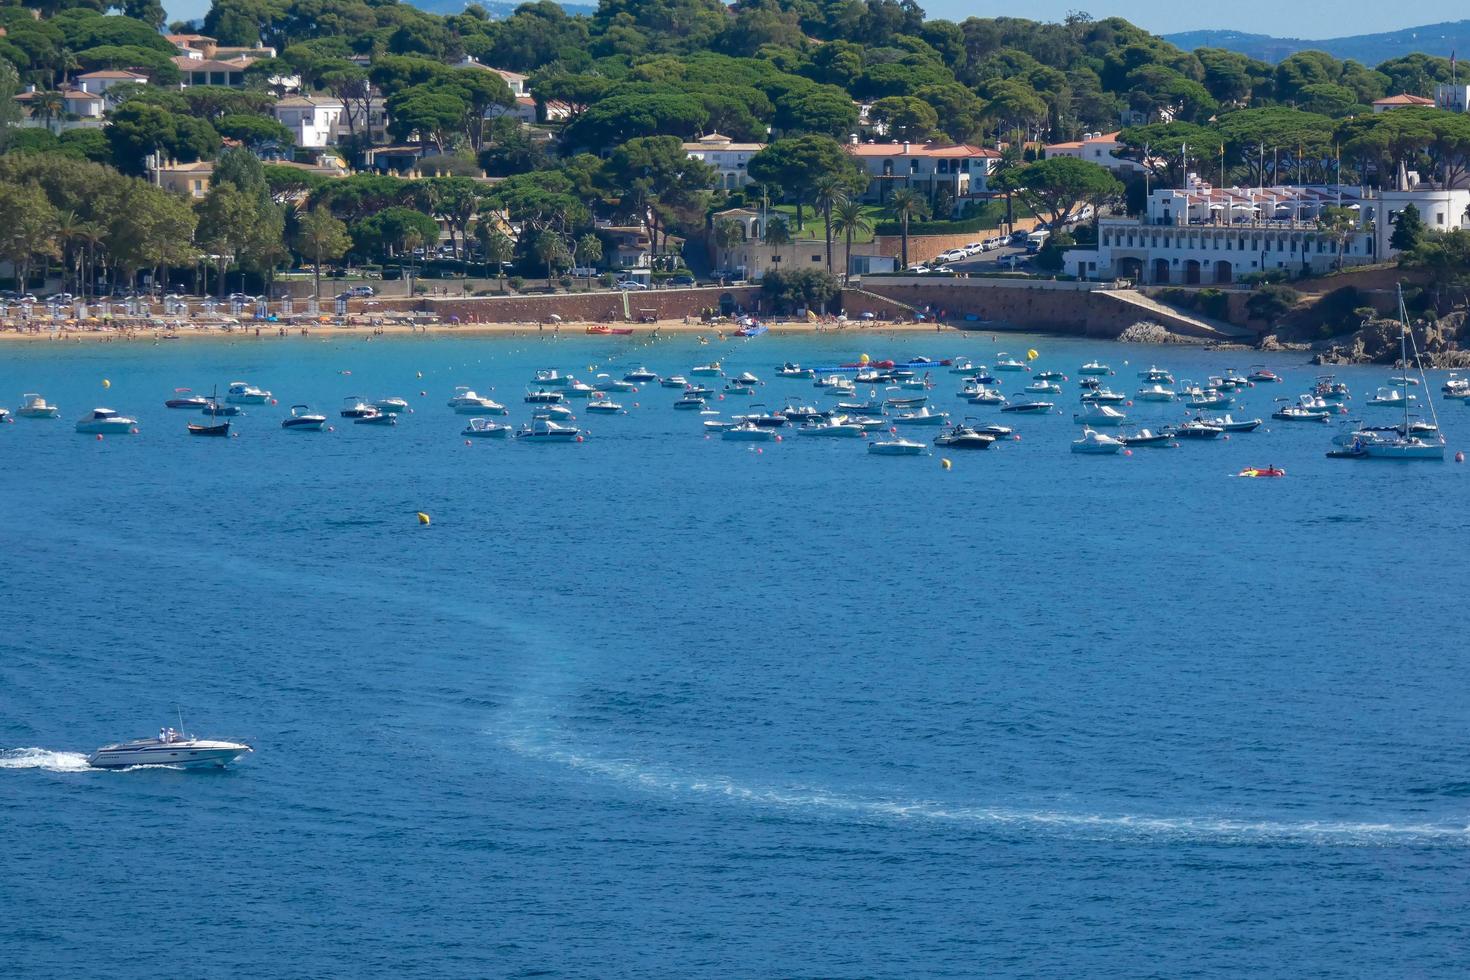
<point>516,282</point>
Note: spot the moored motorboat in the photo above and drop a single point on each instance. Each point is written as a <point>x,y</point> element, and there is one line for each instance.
<point>1103,396</point>
<point>550,378</point>
<point>354,407</point>
<point>747,431</point>
<point>469,403</point>
<point>483,428</point>
<point>376,418</point>
<point>710,370</point>
<point>1296,413</point>
<point>1260,374</point>
<point>170,748</point>
<point>544,397</point>
<point>896,447</point>
<point>391,405</point>
<point>241,393</point>
<point>1154,393</point>
<point>922,417</point>
<point>1004,362</point>
<point>1391,398</point>
<point>217,429</point>
<point>1094,369</point>
<point>33,406</point>
<point>302,420</point>
<point>795,371</point>
<point>104,421</point>
<point>964,437</point>
<point>604,406</point>
<point>1096,444</point>
<point>640,375</point>
<point>1194,429</point>
<point>674,381</point>
<point>1043,387</point>
<point>1149,439</point>
<point>546,430</point>
<point>1100,416</point>
<point>188,401</point>
<point>832,429</point>
<point>1156,376</point>
<point>578,389</point>
<point>1227,423</point>
<point>1028,407</point>
<point>689,402</point>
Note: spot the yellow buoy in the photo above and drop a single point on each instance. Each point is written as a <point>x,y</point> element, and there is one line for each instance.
<point>945,463</point>
<point>106,383</point>
<point>864,359</point>
<point>1031,355</point>
<point>423,519</point>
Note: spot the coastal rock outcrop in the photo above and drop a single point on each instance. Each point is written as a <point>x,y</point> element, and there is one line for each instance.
<point>1439,341</point>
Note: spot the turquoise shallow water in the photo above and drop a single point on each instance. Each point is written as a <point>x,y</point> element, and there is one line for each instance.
<point>660,704</point>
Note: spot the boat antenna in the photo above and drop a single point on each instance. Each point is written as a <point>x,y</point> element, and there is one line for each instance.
<point>180,710</point>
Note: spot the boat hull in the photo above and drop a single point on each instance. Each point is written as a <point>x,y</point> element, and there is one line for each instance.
<point>180,755</point>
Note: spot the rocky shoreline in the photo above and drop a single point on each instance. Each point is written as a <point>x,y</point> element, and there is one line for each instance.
<point>1377,342</point>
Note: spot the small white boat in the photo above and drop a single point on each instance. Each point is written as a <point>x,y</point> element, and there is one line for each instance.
<point>106,422</point>
<point>710,370</point>
<point>578,389</point>
<point>550,378</point>
<point>604,406</point>
<point>922,417</point>
<point>544,397</point>
<point>1391,398</point>
<point>1101,416</point>
<point>463,396</point>
<point>1096,444</point>
<point>1028,408</point>
<point>1156,376</point>
<point>981,395</point>
<point>1004,362</point>
<point>795,371</point>
<point>170,748</point>
<point>557,413</point>
<point>641,375</point>
<point>391,406</point>
<point>1042,386</point>
<point>545,430</point>
<point>33,406</point>
<point>1103,396</point>
<point>353,407</point>
<point>472,404</point>
<point>1094,369</point>
<point>746,378</point>
<point>1154,393</point>
<point>483,428</point>
<point>1403,381</point>
<point>962,365</point>
<point>748,432</point>
<point>832,429</point>
<point>302,420</point>
<point>240,393</point>
<point>689,402</point>
<point>675,381</point>
<point>897,447</point>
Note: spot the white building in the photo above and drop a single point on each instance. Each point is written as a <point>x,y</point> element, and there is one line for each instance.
<point>962,169</point>
<point>99,82</point>
<point>1201,235</point>
<point>728,157</point>
<point>313,120</point>
<point>1402,101</point>
<point>1099,148</point>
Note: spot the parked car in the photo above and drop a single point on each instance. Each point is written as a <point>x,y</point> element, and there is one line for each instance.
<point>974,248</point>
<point>361,291</point>
<point>681,281</point>
<point>633,284</point>
<point>1019,237</point>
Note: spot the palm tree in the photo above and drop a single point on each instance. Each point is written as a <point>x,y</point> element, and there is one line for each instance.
<point>906,205</point>
<point>49,106</point>
<point>778,232</point>
<point>91,234</point>
<point>828,192</point>
<point>851,219</point>
<point>68,230</point>
<point>551,248</point>
<point>495,246</point>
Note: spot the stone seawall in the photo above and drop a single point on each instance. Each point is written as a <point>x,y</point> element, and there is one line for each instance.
<point>613,306</point>
<point>1055,307</point>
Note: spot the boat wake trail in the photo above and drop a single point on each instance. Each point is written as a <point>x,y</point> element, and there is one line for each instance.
<point>1097,826</point>
<point>34,758</point>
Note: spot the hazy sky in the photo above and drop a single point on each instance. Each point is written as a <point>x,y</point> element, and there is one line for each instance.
<point>1306,20</point>
<point>1314,21</point>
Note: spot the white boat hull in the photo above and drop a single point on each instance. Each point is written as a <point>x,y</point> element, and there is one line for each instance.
<point>193,754</point>
<point>107,426</point>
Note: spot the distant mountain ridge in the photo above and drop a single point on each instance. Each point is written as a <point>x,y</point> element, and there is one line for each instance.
<point>497,9</point>
<point>1368,49</point>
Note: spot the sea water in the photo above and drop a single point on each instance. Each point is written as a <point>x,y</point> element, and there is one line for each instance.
<point>662,704</point>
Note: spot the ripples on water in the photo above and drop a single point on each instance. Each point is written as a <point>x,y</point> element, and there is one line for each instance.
<point>657,704</point>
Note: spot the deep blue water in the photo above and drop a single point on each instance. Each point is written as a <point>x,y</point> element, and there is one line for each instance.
<point>656,704</point>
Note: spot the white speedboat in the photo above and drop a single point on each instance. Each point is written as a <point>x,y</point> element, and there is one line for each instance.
<point>746,378</point>
<point>557,413</point>
<point>1028,408</point>
<point>981,395</point>
<point>1100,416</point>
<point>710,370</point>
<point>1004,362</point>
<point>302,420</point>
<point>551,378</point>
<point>391,406</point>
<point>832,429</point>
<point>470,403</point>
<point>1154,393</point>
<point>604,406</point>
<point>578,389</point>
<point>354,407</point>
<point>240,393</point>
<point>545,430</point>
<point>748,432</point>
<point>170,748</point>
<point>1094,369</point>
<point>33,406</point>
<point>922,417</point>
<point>962,365</point>
<point>1097,444</point>
<point>1103,396</point>
<point>1043,386</point>
<point>1391,398</point>
<point>795,371</point>
<point>675,381</point>
<point>544,397</point>
<point>105,421</point>
<point>1155,375</point>
<point>483,428</point>
<point>896,447</point>
<point>640,375</point>
<point>689,402</point>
